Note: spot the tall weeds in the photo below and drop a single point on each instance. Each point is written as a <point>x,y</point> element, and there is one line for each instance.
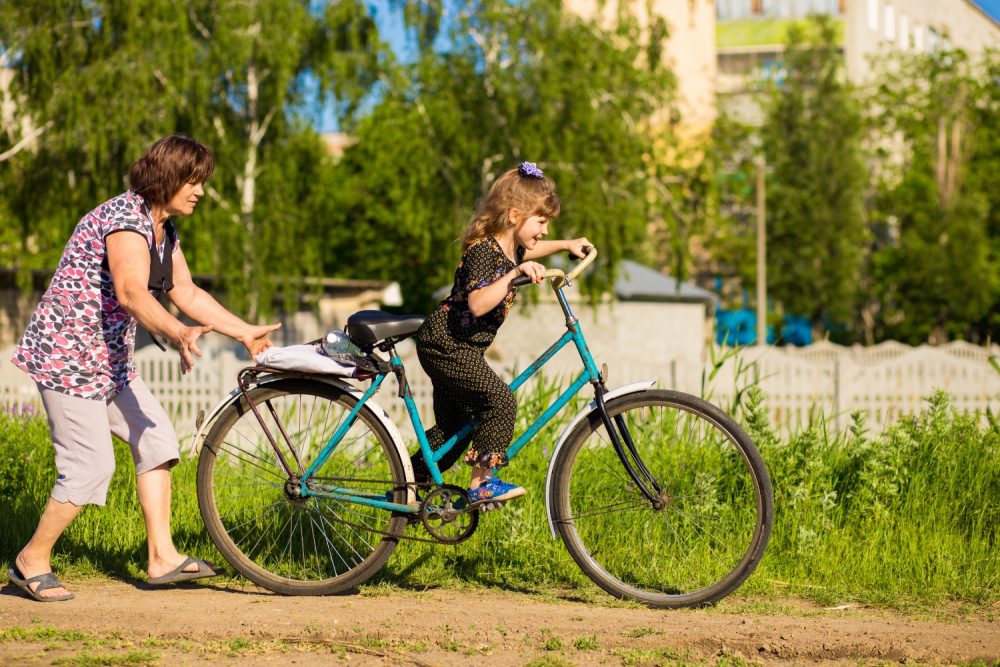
<point>908,516</point>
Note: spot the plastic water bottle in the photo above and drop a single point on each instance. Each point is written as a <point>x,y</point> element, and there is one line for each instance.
<point>336,342</point>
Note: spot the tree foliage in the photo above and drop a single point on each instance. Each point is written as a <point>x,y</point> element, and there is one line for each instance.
<point>816,232</point>
<point>104,79</point>
<point>938,266</point>
<point>496,82</point>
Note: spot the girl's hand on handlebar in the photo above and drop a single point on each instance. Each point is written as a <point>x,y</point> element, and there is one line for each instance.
<point>532,270</point>
<point>579,247</point>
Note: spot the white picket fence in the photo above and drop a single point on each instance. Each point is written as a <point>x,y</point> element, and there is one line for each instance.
<point>884,381</point>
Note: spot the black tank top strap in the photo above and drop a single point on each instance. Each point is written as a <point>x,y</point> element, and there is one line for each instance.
<point>161,271</point>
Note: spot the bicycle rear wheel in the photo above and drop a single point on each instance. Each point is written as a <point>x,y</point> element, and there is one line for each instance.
<point>717,503</point>
<point>289,544</point>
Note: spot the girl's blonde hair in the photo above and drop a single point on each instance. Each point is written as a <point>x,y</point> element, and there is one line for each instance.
<point>531,194</point>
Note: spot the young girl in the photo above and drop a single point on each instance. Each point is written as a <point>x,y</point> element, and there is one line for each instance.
<point>498,245</point>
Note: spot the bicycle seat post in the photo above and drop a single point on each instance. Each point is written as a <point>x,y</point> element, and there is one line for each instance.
<point>396,366</point>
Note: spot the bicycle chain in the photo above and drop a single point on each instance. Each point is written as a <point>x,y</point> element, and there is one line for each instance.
<point>383,533</point>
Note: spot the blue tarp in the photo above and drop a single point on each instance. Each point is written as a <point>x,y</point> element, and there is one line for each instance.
<point>739,327</point>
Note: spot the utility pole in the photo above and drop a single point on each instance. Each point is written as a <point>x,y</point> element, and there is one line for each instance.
<point>761,255</point>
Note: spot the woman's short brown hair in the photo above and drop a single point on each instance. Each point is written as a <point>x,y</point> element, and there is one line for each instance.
<point>171,163</point>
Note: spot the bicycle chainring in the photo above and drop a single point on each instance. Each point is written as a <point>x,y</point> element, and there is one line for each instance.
<point>446,516</point>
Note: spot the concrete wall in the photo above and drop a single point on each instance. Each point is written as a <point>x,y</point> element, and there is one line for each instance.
<point>690,50</point>
<point>879,26</point>
<point>636,339</point>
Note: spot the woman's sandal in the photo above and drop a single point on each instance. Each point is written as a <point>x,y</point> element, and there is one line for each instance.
<point>44,581</point>
<point>177,575</point>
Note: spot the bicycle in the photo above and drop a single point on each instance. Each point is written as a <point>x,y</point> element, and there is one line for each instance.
<point>305,484</point>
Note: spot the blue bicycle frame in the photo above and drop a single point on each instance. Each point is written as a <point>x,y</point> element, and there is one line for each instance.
<point>590,374</point>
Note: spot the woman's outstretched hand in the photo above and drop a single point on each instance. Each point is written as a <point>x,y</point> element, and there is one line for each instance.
<point>255,338</point>
<point>187,345</point>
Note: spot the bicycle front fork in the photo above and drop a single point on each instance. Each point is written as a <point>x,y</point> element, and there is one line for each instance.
<point>635,467</point>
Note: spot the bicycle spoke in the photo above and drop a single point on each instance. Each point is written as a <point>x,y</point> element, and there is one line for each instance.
<point>690,546</point>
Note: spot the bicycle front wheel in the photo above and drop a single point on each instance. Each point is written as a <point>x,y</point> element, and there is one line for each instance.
<point>715,508</point>
<point>314,545</point>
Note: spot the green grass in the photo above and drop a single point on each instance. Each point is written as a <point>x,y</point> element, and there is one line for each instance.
<point>759,32</point>
<point>86,659</point>
<point>906,518</point>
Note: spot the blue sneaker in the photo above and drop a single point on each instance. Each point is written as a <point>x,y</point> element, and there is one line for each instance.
<point>494,490</point>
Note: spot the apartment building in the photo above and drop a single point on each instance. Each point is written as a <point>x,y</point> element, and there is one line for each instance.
<point>689,50</point>
<point>751,35</point>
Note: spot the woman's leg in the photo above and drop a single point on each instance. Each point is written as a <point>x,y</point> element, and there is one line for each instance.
<point>153,487</point>
<point>85,461</point>
<point>36,556</point>
<point>138,418</point>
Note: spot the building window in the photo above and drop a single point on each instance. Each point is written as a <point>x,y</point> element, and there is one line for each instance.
<point>904,31</point>
<point>756,6</point>
<point>890,23</point>
<point>873,15</point>
<point>918,37</point>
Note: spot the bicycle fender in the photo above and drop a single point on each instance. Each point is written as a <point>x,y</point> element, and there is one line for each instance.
<point>580,416</point>
<point>377,410</point>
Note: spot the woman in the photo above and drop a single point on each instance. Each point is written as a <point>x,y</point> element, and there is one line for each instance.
<point>78,348</point>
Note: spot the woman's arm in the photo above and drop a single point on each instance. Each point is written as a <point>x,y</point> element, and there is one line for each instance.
<point>546,248</point>
<point>201,307</point>
<point>128,261</point>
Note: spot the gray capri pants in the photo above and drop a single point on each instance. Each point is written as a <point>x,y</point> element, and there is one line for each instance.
<point>81,434</point>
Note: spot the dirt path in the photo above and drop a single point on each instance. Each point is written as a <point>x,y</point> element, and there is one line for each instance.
<point>122,623</point>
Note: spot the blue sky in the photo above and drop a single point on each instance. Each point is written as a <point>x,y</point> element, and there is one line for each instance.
<point>991,7</point>
<point>391,25</point>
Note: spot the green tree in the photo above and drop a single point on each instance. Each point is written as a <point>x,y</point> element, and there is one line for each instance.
<point>937,265</point>
<point>495,82</point>
<point>816,231</point>
<point>103,79</point>
<point>730,237</point>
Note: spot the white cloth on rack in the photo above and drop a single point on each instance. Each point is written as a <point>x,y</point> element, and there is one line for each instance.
<point>303,358</point>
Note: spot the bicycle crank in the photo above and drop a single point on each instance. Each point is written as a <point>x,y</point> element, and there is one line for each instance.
<point>446,515</point>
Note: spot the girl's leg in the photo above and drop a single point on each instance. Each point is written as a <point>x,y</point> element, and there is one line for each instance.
<point>450,411</point>
<point>495,408</point>
<point>479,475</point>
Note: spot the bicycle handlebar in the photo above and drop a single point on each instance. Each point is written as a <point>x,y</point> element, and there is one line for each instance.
<point>562,278</point>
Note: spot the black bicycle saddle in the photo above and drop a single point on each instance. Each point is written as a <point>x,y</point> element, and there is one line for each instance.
<point>368,327</point>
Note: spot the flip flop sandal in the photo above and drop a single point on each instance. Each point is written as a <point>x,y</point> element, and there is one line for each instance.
<point>178,575</point>
<point>44,581</point>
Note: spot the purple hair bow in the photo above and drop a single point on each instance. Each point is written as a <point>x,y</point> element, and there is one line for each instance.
<point>529,170</point>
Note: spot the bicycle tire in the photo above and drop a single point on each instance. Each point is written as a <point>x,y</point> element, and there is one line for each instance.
<point>719,506</point>
<point>247,513</point>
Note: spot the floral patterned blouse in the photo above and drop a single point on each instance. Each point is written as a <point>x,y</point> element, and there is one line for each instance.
<point>80,340</point>
<point>482,264</point>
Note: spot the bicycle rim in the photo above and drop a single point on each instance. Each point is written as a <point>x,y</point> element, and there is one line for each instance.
<point>717,509</point>
<point>314,545</point>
